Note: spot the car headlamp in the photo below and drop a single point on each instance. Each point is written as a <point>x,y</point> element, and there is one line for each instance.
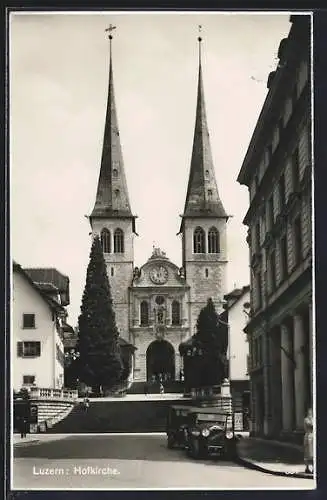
<point>205,432</point>
<point>229,435</point>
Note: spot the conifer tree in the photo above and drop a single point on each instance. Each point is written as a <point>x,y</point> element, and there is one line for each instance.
<point>213,342</point>
<point>100,362</point>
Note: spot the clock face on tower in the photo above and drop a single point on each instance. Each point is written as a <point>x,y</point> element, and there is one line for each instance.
<point>159,275</point>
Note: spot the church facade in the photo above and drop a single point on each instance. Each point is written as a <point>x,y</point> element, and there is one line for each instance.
<point>157,304</point>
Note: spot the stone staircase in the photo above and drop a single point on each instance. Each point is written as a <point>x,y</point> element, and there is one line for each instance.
<point>53,411</point>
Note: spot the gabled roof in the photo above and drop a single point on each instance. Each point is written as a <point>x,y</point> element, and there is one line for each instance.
<point>50,280</point>
<point>53,305</point>
<point>235,295</point>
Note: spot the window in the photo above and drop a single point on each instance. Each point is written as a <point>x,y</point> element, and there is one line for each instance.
<point>259,290</point>
<point>283,257</point>
<point>105,240</point>
<point>209,193</point>
<point>175,313</point>
<point>28,320</point>
<point>271,214</point>
<point>213,240</point>
<point>272,270</point>
<point>117,192</point>
<point>297,240</point>
<point>207,273</point>
<point>115,172</point>
<point>281,189</point>
<point>118,241</point>
<point>207,174</point>
<point>160,300</point>
<point>28,379</point>
<point>199,240</point>
<point>112,271</point>
<point>144,313</point>
<point>295,170</point>
<point>31,349</point>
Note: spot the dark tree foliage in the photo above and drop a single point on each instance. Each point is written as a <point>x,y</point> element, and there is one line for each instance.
<point>71,369</point>
<point>212,340</point>
<point>100,362</point>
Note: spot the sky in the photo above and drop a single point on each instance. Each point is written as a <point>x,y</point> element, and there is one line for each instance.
<point>58,74</point>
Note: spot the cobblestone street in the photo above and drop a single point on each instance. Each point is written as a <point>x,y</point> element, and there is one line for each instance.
<point>135,462</point>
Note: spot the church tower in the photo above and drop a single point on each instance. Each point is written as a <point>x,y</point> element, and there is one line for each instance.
<point>204,220</point>
<point>112,218</point>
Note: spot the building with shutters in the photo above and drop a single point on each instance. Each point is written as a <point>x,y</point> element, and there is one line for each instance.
<point>234,319</point>
<point>157,304</point>
<point>38,318</point>
<point>277,170</point>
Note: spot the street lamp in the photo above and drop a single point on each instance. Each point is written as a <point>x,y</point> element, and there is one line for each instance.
<point>229,346</point>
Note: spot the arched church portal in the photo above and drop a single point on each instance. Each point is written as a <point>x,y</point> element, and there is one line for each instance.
<point>160,361</point>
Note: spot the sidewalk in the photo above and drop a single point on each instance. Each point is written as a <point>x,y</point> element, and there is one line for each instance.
<point>34,438</point>
<point>274,457</point>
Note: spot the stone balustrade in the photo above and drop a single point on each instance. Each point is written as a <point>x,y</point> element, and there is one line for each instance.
<point>46,393</point>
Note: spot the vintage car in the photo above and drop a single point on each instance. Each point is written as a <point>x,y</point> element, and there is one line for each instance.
<point>176,425</point>
<point>210,432</point>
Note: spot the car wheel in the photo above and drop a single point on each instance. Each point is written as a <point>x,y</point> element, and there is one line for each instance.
<point>170,442</point>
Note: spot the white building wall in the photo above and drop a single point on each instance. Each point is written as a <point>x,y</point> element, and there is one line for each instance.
<point>45,367</point>
<point>239,347</point>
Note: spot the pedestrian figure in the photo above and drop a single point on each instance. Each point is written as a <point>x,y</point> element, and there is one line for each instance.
<point>161,388</point>
<point>23,427</point>
<point>308,442</point>
<point>86,403</point>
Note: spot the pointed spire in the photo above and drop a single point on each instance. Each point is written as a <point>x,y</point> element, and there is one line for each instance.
<point>112,198</point>
<point>202,198</point>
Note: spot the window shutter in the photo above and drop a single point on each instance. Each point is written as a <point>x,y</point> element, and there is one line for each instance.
<point>20,349</point>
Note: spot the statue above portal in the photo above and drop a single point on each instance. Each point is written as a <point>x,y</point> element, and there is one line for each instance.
<point>158,253</point>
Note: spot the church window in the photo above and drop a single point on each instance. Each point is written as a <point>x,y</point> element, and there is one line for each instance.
<point>105,240</point>
<point>112,271</point>
<point>175,313</point>
<point>144,310</point>
<point>160,300</point>
<point>207,273</point>
<point>209,193</point>
<point>119,241</point>
<point>213,240</point>
<point>117,192</point>
<point>199,240</point>
<point>115,172</point>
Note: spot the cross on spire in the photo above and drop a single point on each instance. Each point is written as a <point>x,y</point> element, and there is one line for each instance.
<point>110,28</point>
<point>199,40</point>
<point>202,198</point>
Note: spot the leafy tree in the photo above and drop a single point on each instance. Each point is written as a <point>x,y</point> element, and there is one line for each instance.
<point>99,361</point>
